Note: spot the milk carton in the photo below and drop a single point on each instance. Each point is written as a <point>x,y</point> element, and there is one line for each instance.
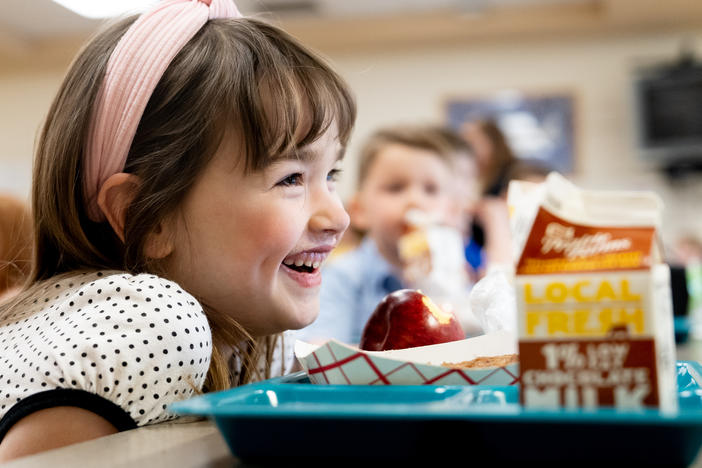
<point>594,316</point>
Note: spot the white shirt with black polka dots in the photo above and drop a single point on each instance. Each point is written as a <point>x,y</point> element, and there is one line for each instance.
<point>123,346</point>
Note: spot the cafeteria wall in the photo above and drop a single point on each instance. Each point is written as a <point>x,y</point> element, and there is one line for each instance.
<point>410,84</point>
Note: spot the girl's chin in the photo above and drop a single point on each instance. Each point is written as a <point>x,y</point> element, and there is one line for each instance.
<point>292,314</point>
<point>304,314</point>
<point>306,319</point>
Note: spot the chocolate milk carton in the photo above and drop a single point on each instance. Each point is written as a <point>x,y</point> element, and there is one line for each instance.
<point>593,298</point>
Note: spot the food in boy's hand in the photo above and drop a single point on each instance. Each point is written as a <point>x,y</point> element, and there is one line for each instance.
<point>407,318</point>
<point>415,253</point>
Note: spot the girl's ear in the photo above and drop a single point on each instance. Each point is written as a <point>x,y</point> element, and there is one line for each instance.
<point>114,197</point>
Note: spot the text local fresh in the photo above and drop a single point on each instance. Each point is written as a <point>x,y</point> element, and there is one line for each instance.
<point>589,308</point>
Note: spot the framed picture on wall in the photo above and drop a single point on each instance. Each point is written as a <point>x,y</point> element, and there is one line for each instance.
<point>538,127</point>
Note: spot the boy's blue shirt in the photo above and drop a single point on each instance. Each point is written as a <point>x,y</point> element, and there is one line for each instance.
<point>352,286</point>
<point>475,256</point>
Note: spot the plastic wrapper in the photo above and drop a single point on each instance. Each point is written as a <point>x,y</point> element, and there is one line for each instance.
<point>493,300</point>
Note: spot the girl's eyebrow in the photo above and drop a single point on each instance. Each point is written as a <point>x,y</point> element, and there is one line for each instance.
<point>305,155</point>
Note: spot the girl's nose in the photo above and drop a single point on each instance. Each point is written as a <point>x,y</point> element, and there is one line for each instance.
<point>329,215</point>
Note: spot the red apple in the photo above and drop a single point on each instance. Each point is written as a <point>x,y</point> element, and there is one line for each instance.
<point>407,318</point>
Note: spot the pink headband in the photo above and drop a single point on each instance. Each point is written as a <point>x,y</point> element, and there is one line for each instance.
<point>133,71</point>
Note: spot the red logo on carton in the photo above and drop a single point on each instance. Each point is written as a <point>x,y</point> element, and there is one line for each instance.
<point>555,245</point>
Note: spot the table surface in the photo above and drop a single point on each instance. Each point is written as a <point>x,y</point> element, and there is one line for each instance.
<point>184,444</point>
<point>191,444</point>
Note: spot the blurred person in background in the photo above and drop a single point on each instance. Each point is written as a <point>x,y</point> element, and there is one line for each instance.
<point>492,152</point>
<point>489,213</point>
<point>15,245</point>
<point>687,250</point>
<point>497,164</point>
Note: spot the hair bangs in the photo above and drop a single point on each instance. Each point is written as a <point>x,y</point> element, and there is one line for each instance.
<point>293,100</point>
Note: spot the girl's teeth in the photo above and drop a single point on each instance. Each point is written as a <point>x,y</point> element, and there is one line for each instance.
<point>310,260</point>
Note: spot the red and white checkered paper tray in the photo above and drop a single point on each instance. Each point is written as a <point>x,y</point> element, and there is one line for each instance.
<point>337,363</point>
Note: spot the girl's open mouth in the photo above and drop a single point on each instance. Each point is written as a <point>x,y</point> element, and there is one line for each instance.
<point>305,262</point>
<point>304,267</point>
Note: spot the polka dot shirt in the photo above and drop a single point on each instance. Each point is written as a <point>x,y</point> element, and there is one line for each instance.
<point>123,346</point>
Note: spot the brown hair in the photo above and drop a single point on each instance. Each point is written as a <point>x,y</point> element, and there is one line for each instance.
<point>460,146</point>
<point>15,243</point>
<point>427,137</point>
<point>220,81</point>
<point>502,156</point>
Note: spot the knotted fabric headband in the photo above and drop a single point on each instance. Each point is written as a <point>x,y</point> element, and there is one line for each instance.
<point>133,71</point>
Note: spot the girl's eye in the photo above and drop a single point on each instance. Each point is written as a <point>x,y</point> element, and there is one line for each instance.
<point>291,180</point>
<point>334,175</point>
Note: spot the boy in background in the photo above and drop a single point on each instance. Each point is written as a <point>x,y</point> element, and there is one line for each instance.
<point>400,169</point>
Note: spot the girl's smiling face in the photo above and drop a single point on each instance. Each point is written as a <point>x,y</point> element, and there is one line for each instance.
<point>251,245</point>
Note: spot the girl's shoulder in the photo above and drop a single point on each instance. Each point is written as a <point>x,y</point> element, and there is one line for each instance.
<point>111,301</point>
<point>102,291</point>
<point>138,341</point>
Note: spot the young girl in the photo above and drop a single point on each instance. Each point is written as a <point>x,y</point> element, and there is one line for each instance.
<point>183,201</point>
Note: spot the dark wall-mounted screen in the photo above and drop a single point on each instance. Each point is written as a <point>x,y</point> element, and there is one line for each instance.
<point>669,112</point>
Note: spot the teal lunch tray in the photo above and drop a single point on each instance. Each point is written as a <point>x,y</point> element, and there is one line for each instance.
<point>289,418</point>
